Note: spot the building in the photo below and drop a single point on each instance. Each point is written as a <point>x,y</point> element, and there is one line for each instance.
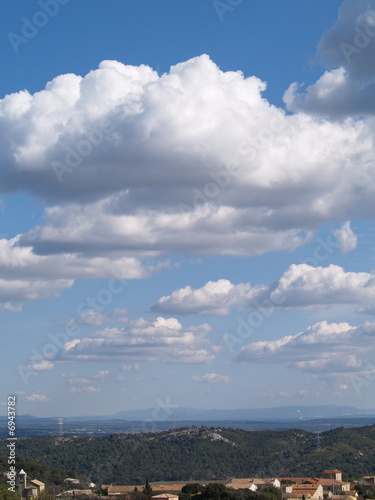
<point>165,496</point>
<point>30,492</point>
<point>31,489</point>
<point>333,474</point>
<point>334,485</point>
<point>242,484</point>
<point>299,491</point>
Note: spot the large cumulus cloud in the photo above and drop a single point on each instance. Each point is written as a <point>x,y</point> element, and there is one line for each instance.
<point>133,165</point>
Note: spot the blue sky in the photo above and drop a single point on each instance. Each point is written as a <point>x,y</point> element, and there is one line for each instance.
<point>187,204</point>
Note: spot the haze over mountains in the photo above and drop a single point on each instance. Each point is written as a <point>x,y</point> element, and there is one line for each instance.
<point>171,412</point>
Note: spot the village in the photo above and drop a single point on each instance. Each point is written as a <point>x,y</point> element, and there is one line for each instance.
<point>328,487</point>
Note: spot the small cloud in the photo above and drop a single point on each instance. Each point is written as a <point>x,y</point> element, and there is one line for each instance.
<point>101,374</point>
<point>128,368</point>
<point>284,394</point>
<point>42,366</point>
<point>346,238</point>
<point>343,387</point>
<point>78,380</point>
<point>85,390</point>
<point>303,393</point>
<point>211,378</point>
<point>36,397</point>
<point>11,307</point>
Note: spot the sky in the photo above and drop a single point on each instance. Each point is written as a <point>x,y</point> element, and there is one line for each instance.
<point>187,204</point>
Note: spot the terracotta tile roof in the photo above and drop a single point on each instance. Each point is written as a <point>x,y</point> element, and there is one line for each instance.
<point>165,495</point>
<point>167,487</point>
<point>305,486</point>
<point>38,483</point>
<point>120,489</point>
<point>330,482</point>
<point>298,480</point>
<point>299,492</point>
<point>238,484</point>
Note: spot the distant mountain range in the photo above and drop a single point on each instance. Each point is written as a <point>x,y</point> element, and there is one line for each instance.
<point>178,414</point>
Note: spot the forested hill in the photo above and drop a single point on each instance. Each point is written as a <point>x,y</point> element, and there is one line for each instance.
<point>202,453</point>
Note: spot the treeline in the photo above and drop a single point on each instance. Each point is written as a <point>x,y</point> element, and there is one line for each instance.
<point>202,454</point>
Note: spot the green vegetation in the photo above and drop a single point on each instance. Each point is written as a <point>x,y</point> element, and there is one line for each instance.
<point>197,454</point>
<point>216,491</point>
<point>147,490</point>
<point>36,470</point>
<point>5,494</point>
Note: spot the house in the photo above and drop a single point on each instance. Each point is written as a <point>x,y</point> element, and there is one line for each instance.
<point>239,484</point>
<point>117,490</point>
<point>262,482</point>
<point>167,488</point>
<point>30,492</point>
<point>300,491</point>
<point>334,485</point>
<point>165,496</point>
<point>39,485</point>
<point>366,483</point>
<point>333,474</point>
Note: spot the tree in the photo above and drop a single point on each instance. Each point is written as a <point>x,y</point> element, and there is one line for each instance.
<point>147,490</point>
<point>214,491</point>
<point>5,494</point>
<point>371,493</point>
<point>192,488</point>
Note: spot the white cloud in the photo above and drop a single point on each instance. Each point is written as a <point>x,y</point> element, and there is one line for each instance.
<point>26,290</point>
<point>211,378</point>
<point>195,161</point>
<point>128,368</point>
<point>42,366</point>
<point>94,318</point>
<point>215,297</point>
<point>301,286</point>
<point>348,48</point>
<point>324,348</point>
<point>85,390</point>
<point>346,238</point>
<point>162,339</point>
<point>7,306</point>
<point>26,276</point>
<point>36,397</point>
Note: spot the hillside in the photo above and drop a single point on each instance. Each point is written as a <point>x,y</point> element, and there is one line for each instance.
<point>202,453</point>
